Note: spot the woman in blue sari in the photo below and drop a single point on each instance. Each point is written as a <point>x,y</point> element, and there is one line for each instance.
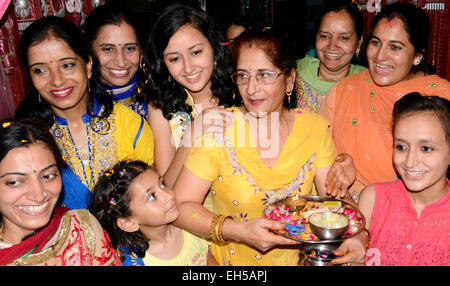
<point>92,132</point>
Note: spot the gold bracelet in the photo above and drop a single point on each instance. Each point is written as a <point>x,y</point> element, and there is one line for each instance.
<point>215,228</point>
<point>219,229</point>
<point>368,237</point>
<point>212,226</point>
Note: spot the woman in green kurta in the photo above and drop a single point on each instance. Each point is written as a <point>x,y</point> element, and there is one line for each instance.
<point>338,39</point>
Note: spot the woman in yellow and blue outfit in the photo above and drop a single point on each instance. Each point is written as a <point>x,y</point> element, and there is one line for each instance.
<point>123,68</point>
<point>92,132</point>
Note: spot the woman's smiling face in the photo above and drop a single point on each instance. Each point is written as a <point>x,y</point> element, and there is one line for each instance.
<point>421,150</point>
<point>118,50</point>
<point>59,74</point>
<point>336,41</point>
<point>30,185</point>
<point>390,54</point>
<point>189,58</point>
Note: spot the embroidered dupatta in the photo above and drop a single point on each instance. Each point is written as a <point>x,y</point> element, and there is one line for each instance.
<point>360,113</point>
<point>35,243</point>
<point>301,145</point>
<point>126,95</point>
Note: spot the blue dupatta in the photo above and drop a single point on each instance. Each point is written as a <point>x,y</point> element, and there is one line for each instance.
<point>75,194</point>
<point>127,97</point>
<point>131,259</point>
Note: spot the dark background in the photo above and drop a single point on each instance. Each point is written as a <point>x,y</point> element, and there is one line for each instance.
<point>295,17</point>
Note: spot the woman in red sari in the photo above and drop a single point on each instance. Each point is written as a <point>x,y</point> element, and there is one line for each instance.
<point>32,230</point>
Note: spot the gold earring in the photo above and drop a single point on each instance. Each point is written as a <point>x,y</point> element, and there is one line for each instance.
<point>89,87</point>
<point>169,79</point>
<point>39,96</point>
<point>289,93</point>
<point>215,64</point>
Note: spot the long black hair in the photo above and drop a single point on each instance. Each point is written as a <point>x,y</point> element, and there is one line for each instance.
<point>112,15</point>
<point>112,201</point>
<point>168,95</point>
<point>34,106</point>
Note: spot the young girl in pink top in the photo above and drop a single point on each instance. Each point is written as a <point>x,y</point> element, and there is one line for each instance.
<point>409,219</point>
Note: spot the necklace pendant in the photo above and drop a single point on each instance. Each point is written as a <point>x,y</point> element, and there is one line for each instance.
<point>58,132</point>
<point>98,126</point>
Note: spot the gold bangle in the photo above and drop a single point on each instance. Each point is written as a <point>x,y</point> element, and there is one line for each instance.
<point>216,237</point>
<point>368,237</point>
<point>219,229</point>
<point>215,228</point>
<point>212,226</point>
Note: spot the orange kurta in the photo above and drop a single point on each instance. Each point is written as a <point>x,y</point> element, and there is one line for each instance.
<point>360,113</point>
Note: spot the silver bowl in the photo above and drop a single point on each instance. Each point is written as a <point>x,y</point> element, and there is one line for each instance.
<point>316,254</point>
<point>328,232</point>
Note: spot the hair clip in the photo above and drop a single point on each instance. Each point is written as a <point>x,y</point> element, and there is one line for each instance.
<point>122,172</point>
<point>109,172</point>
<point>112,201</point>
<point>224,43</point>
<point>24,141</point>
<point>6,124</point>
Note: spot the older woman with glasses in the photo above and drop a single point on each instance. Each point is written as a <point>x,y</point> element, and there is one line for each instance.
<point>270,151</point>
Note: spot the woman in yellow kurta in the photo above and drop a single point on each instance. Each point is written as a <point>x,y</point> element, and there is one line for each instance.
<point>270,151</point>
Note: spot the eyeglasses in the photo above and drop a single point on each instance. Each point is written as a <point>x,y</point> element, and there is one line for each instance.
<point>264,78</point>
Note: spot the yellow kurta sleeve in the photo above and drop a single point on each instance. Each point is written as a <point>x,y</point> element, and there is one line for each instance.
<point>205,161</point>
<point>326,151</point>
<point>134,136</point>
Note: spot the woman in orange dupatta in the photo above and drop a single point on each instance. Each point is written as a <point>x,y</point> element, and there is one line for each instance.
<point>359,108</point>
